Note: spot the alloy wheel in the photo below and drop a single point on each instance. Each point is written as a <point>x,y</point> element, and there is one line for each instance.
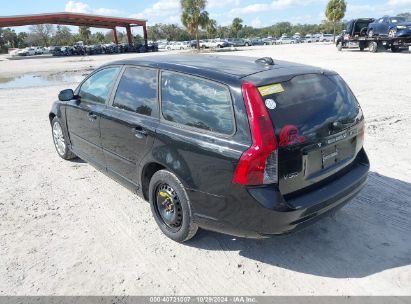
<point>58,138</point>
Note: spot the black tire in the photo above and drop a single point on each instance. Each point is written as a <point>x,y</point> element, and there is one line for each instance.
<point>395,49</point>
<point>339,46</point>
<point>362,46</point>
<point>165,184</point>
<point>63,152</point>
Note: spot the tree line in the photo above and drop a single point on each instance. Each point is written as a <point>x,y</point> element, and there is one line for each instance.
<point>196,22</point>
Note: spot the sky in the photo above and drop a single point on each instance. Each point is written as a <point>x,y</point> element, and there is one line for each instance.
<point>256,13</point>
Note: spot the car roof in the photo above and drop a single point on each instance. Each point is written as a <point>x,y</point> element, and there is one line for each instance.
<point>209,66</point>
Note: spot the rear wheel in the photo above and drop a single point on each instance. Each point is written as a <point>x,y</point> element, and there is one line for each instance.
<point>60,140</point>
<point>395,49</point>
<point>171,207</point>
<point>373,47</point>
<point>339,46</point>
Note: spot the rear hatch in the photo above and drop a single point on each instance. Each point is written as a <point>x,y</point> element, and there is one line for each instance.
<point>318,125</point>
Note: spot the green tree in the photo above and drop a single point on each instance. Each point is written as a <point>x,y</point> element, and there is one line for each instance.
<point>41,34</point>
<point>99,37</point>
<point>9,38</point>
<point>211,28</point>
<point>407,16</point>
<point>237,25</point>
<point>194,16</point>
<point>85,33</point>
<point>335,12</point>
<point>63,36</point>
<point>154,32</point>
<point>223,31</point>
<point>21,40</point>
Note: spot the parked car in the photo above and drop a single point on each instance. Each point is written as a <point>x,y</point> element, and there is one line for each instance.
<point>327,38</point>
<point>238,42</point>
<point>256,41</point>
<point>285,40</point>
<point>358,27</point>
<point>215,43</point>
<point>354,29</point>
<point>178,45</point>
<point>296,155</point>
<point>201,43</point>
<point>390,26</point>
<point>39,51</point>
<point>247,42</point>
<point>309,38</point>
<point>27,52</point>
<point>162,45</point>
<point>268,41</point>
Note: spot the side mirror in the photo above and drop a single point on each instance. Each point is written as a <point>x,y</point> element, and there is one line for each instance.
<point>66,95</point>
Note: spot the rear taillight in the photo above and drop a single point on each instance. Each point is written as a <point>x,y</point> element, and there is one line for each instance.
<point>259,164</point>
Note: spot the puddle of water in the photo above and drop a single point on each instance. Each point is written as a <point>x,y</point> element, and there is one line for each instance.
<point>39,80</point>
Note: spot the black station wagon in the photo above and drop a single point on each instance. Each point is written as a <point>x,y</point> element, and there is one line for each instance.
<point>244,146</point>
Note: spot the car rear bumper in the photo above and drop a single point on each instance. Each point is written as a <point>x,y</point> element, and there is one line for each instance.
<point>263,211</point>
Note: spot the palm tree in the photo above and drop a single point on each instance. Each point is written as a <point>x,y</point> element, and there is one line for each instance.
<point>236,26</point>
<point>211,28</point>
<point>335,11</point>
<point>194,16</point>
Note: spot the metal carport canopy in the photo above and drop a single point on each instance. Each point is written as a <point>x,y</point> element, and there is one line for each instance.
<point>76,19</point>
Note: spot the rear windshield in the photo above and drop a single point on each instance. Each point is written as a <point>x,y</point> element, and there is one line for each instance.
<point>310,103</point>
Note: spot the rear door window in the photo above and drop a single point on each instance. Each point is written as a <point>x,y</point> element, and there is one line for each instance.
<point>196,102</point>
<point>137,91</point>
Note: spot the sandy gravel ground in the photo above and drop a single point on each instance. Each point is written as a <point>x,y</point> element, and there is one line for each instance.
<point>67,229</point>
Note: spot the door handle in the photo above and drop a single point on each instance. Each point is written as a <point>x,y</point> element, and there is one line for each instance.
<point>91,116</point>
<point>139,132</point>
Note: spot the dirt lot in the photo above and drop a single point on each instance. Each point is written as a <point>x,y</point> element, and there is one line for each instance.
<point>67,229</point>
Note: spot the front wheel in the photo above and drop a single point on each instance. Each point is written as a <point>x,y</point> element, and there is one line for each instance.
<point>171,206</point>
<point>60,140</point>
<point>392,33</point>
<point>339,46</point>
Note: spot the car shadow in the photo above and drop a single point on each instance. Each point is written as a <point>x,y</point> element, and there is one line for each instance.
<point>77,160</point>
<point>370,234</point>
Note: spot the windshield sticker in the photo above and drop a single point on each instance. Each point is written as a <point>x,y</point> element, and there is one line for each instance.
<point>271,89</point>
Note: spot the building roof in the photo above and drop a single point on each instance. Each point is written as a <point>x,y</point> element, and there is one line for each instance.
<point>70,19</point>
